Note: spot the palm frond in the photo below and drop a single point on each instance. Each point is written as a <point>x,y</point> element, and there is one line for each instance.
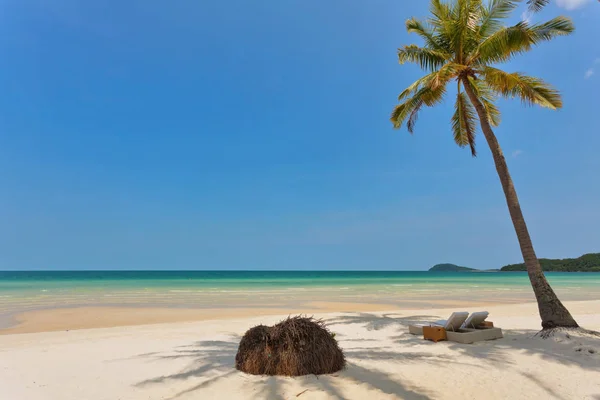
<point>446,73</point>
<point>464,122</point>
<point>507,42</point>
<point>434,79</point>
<point>403,110</point>
<point>409,109</point>
<point>559,26</point>
<point>537,5</point>
<point>441,14</point>
<point>529,89</point>
<point>502,45</point>
<point>464,18</point>
<point>417,85</point>
<point>493,15</point>
<point>488,99</point>
<point>428,59</point>
<point>425,31</point>
<point>414,115</point>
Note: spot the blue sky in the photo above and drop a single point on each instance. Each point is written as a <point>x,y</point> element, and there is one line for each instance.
<point>255,135</point>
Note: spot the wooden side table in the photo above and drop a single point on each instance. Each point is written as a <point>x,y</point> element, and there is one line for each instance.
<point>434,333</point>
<point>487,324</point>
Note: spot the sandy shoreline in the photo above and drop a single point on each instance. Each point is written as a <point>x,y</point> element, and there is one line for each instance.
<point>75,318</point>
<point>194,360</point>
<point>90,317</point>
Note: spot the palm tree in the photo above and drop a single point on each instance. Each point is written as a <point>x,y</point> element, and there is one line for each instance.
<point>463,40</point>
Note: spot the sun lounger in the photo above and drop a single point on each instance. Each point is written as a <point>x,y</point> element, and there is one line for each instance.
<point>462,328</point>
<point>469,335</point>
<point>456,320</point>
<point>475,319</point>
<point>474,331</point>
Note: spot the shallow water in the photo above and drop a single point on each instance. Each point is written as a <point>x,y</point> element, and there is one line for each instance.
<point>22,291</point>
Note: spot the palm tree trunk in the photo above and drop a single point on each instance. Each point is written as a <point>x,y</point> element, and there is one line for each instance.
<point>553,313</point>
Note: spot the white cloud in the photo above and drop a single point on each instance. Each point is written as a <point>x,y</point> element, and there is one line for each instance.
<point>592,70</point>
<point>589,73</point>
<point>517,153</point>
<point>526,17</point>
<point>572,4</point>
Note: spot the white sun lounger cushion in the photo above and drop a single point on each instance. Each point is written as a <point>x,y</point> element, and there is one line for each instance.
<point>454,322</point>
<point>475,319</point>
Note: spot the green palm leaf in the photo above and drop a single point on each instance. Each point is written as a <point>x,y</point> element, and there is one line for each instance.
<point>537,5</point>
<point>488,99</point>
<point>559,26</point>
<point>428,59</point>
<point>409,109</point>
<point>463,122</point>
<point>529,89</point>
<point>494,14</point>
<point>505,43</point>
<point>413,25</point>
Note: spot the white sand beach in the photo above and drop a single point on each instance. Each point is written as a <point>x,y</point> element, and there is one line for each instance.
<point>195,360</point>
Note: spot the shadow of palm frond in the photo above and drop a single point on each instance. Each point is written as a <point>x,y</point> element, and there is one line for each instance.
<point>537,381</point>
<point>570,351</point>
<point>329,385</point>
<point>210,360</point>
<point>375,322</point>
<point>384,382</point>
<point>583,351</point>
<point>272,388</point>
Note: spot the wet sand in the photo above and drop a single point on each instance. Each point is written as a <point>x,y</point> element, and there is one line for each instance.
<point>90,317</point>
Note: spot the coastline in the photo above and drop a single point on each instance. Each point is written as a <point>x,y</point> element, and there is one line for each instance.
<point>92,317</point>
<point>69,300</point>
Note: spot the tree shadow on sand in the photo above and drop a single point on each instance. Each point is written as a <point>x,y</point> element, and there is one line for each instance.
<point>212,362</point>
<point>375,322</point>
<point>568,349</point>
<point>572,350</point>
<point>208,360</point>
<point>337,384</point>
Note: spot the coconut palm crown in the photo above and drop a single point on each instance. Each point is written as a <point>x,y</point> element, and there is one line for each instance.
<point>463,41</point>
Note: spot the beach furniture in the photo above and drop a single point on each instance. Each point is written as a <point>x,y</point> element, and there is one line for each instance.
<point>475,319</point>
<point>476,329</point>
<point>472,335</point>
<point>434,333</point>
<point>456,320</point>
<point>460,328</point>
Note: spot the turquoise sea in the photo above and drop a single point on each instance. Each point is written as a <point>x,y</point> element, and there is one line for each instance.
<point>22,291</point>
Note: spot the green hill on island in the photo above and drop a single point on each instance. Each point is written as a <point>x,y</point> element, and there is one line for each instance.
<point>585,263</point>
<point>450,268</point>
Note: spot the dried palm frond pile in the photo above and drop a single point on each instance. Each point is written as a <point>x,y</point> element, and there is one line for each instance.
<point>294,347</point>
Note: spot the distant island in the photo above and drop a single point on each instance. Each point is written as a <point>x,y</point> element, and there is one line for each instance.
<point>450,268</point>
<point>585,263</point>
